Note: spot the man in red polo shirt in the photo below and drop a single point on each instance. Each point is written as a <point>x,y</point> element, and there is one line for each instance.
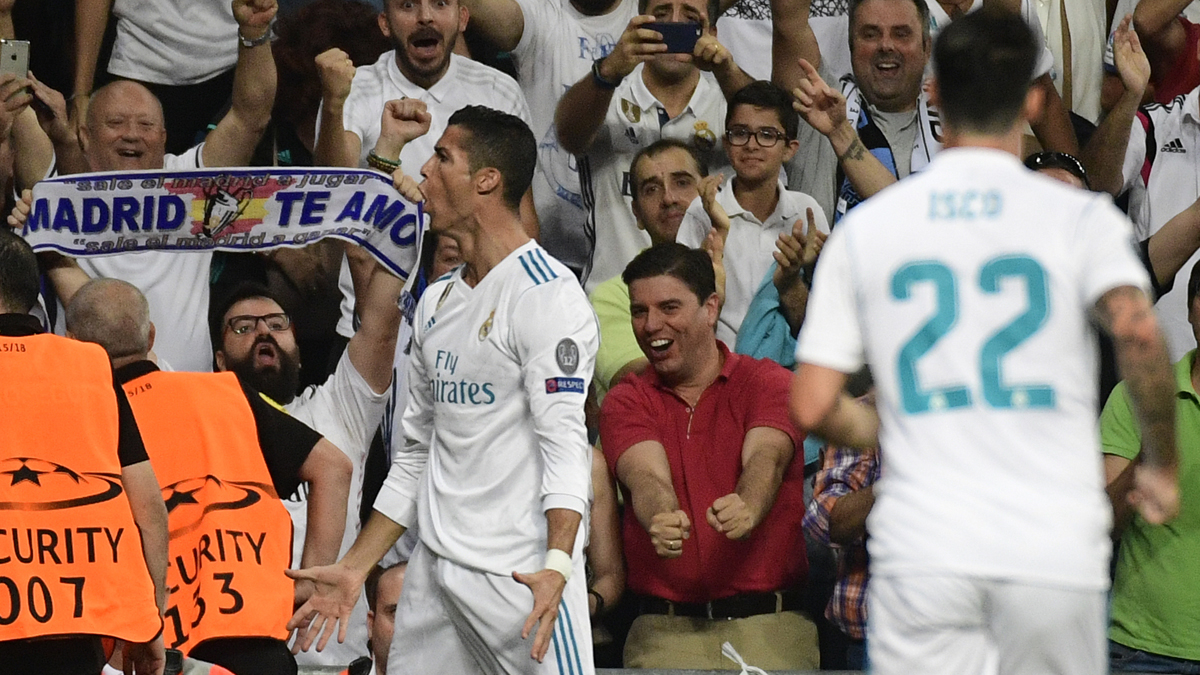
<point>702,443</point>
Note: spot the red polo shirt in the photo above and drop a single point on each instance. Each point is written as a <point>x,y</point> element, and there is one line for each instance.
<point>704,448</point>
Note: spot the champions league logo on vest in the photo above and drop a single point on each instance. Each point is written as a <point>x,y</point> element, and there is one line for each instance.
<point>189,500</point>
<point>39,485</point>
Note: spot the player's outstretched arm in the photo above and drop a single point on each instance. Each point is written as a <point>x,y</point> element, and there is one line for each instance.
<point>1127,315</point>
<point>820,405</point>
<point>337,587</point>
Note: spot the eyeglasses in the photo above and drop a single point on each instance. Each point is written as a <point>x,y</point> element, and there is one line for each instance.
<point>1058,160</point>
<point>767,136</point>
<point>277,322</point>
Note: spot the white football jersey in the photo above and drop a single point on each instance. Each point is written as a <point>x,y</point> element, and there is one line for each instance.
<point>967,288</point>
<point>494,429</point>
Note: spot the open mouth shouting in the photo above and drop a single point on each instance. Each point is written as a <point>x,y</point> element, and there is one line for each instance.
<point>265,353</point>
<point>425,44</point>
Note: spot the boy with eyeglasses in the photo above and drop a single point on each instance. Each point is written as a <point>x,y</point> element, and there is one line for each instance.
<point>760,136</point>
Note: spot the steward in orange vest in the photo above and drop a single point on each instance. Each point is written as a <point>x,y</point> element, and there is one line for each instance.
<point>77,498</point>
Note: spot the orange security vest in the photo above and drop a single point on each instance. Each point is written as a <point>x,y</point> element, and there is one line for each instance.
<point>70,552</point>
<point>231,537</point>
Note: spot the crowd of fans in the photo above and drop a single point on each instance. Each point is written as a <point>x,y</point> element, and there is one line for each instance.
<point>691,192</point>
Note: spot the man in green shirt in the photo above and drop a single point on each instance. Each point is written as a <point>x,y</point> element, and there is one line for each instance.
<point>1155,622</point>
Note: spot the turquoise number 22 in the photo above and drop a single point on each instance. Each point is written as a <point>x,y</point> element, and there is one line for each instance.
<point>913,397</point>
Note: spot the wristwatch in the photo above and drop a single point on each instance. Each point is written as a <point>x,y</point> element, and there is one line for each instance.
<point>260,40</point>
<point>599,79</point>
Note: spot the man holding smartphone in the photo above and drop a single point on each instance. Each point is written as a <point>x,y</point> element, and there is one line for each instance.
<point>649,87</point>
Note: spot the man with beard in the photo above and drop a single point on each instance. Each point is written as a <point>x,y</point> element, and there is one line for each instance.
<point>254,339</point>
<point>223,457</point>
<point>633,97</point>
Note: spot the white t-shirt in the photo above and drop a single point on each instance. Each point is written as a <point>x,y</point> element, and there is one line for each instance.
<point>346,412</point>
<point>465,83</point>
<point>176,285</point>
<point>1162,191</point>
<point>557,48</point>
<point>173,41</point>
<point>939,19</point>
<point>749,248</point>
<point>494,428</point>
<point>635,119</point>
<point>967,288</point>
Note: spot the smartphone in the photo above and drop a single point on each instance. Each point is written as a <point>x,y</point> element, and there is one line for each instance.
<point>14,57</point>
<point>679,36</point>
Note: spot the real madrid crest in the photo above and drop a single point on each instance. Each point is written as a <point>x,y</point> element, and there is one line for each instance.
<point>704,139</point>
<point>632,112</point>
<point>487,326</point>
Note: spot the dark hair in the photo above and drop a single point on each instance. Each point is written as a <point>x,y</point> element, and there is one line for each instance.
<point>19,281</point>
<point>500,141</point>
<point>692,266</point>
<point>349,25</point>
<point>764,94</point>
<point>922,15</point>
<point>983,63</point>
<point>657,148</point>
<point>217,308</point>
<point>1048,159</point>
<point>371,585</point>
<point>712,7</point>
<point>1193,286</point>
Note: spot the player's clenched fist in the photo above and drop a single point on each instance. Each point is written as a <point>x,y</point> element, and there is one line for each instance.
<point>336,71</point>
<point>731,516</point>
<point>667,532</point>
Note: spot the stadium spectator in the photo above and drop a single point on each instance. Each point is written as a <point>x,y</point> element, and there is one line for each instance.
<point>1153,626</point>
<point>1171,41</point>
<point>633,97</point>
<point>383,588</point>
<point>70,454</point>
<point>760,137</point>
<point>702,442</point>
<point>124,131</point>
<point>256,340</point>
<point>223,457</point>
<point>1148,152</point>
<point>184,51</point>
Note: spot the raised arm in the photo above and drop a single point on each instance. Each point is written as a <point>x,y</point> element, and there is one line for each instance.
<point>1126,314</point>
<point>91,18</point>
<point>581,110</point>
<point>500,21</point>
<point>1053,128</point>
<point>1104,154</point>
<point>1156,25</point>
<point>335,145</point>
<point>792,39</point>
<point>232,143</point>
<point>712,56</point>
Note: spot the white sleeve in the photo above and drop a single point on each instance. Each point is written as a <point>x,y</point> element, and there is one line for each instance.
<point>695,225</point>
<point>556,337</point>
<point>539,26</point>
<point>1135,155</point>
<point>832,335</point>
<point>398,496</point>
<point>1110,258</point>
<point>359,409</point>
<point>1045,61</point>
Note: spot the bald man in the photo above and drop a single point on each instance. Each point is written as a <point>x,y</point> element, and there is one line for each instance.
<point>197,428</point>
<point>125,131</point>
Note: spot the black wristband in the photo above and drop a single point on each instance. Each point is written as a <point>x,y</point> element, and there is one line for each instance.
<point>599,601</point>
<point>599,79</point>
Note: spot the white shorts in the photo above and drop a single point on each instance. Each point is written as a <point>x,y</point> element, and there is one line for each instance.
<point>952,625</point>
<point>452,619</point>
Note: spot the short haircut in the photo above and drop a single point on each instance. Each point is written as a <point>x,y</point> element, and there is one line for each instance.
<point>983,64</point>
<point>1193,287</point>
<point>764,94</point>
<point>106,91</point>
<point>371,585</point>
<point>19,280</point>
<point>692,266</point>
<point>113,314</point>
<point>922,14</point>
<point>217,309</point>
<point>712,7</point>
<point>500,141</point>
<point>657,148</point>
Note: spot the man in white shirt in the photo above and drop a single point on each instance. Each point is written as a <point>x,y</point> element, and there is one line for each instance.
<point>125,130</point>
<point>633,97</point>
<point>760,136</point>
<point>969,291</point>
<point>346,408</point>
<point>496,466</point>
